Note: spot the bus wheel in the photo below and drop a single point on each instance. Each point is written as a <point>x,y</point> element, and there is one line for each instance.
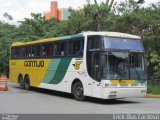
<point>27,83</point>
<point>21,82</point>
<point>78,91</point>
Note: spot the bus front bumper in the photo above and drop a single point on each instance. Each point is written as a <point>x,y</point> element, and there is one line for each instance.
<point>117,93</point>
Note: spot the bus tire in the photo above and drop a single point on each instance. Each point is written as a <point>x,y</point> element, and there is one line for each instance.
<point>21,81</point>
<point>78,91</point>
<point>27,83</point>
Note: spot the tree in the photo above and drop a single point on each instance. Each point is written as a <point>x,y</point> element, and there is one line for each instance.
<point>6,38</point>
<point>30,29</point>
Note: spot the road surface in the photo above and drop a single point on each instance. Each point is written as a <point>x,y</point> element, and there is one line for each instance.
<point>38,101</point>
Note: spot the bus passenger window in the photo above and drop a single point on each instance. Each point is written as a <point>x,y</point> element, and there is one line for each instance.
<point>47,50</point>
<point>63,49</point>
<point>76,47</point>
<point>44,52</point>
<point>60,49</point>
<point>33,51</point>
<point>28,51</point>
<point>23,52</point>
<point>94,42</point>
<point>16,52</point>
<point>50,50</point>
<point>56,49</point>
<point>36,51</point>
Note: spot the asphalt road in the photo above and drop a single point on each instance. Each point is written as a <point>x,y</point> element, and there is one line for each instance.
<point>40,101</point>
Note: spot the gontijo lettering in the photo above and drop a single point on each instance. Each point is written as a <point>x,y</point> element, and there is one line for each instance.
<point>34,63</point>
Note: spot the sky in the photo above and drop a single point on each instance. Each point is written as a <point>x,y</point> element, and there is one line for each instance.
<point>20,9</point>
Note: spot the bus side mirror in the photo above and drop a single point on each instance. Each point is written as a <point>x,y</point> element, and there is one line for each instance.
<point>103,60</point>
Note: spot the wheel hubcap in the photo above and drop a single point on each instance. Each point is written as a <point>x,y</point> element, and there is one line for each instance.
<point>79,91</point>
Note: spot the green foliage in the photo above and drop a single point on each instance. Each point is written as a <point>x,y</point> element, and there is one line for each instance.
<point>30,29</point>
<point>7,33</point>
<point>153,89</point>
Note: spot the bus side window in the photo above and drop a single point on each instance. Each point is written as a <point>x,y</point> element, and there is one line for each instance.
<point>60,48</point>
<point>36,51</point>
<point>33,51</point>
<point>76,47</point>
<point>70,48</point>
<point>29,51</point>
<point>47,50</point>
<point>81,46</point>
<point>44,50</point>
<point>94,42</point>
<point>17,53</point>
<point>23,52</point>
<point>63,48</point>
<point>56,49</point>
<point>50,50</point>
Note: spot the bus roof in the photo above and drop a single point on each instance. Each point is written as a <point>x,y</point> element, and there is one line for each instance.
<point>48,40</point>
<point>113,34</point>
<point>88,33</point>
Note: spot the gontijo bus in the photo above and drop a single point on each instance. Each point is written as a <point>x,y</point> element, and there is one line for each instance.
<point>107,65</point>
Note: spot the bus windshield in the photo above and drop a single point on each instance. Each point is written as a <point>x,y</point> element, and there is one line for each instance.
<point>123,43</point>
<point>123,58</point>
<point>123,65</point>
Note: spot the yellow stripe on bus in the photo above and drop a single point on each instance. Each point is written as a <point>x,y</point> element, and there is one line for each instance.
<point>122,81</point>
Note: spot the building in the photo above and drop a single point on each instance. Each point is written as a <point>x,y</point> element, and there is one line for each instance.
<point>60,14</point>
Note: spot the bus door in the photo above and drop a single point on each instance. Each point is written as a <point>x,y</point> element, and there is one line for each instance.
<point>96,74</point>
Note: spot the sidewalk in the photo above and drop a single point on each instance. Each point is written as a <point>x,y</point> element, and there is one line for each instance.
<point>152,96</point>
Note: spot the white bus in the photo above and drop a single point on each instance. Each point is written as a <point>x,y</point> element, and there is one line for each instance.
<point>106,65</point>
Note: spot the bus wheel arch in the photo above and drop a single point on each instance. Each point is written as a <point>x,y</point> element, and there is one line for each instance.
<point>27,82</point>
<point>21,81</point>
<point>77,90</point>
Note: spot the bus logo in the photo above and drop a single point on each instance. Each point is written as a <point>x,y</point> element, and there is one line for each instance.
<point>77,65</point>
<point>34,63</point>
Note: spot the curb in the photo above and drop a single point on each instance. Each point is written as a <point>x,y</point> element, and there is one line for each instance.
<point>152,96</point>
